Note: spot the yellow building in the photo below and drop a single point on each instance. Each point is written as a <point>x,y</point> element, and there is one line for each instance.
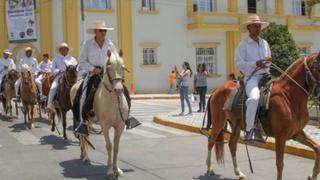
<point>155,35</point>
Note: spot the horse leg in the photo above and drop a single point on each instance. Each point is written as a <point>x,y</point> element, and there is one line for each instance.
<point>105,130</point>
<point>280,146</point>
<point>215,132</point>
<point>64,124</point>
<point>233,150</point>
<point>117,135</point>
<point>10,107</point>
<point>84,149</point>
<point>52,117</point>
<point>16,105</point>
<point>304,139</point>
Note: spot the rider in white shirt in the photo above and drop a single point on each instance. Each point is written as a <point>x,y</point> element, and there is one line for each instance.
<point>59,64</point>
<point>32,63</point>
<point>44,66</point>
<point>6,64</point>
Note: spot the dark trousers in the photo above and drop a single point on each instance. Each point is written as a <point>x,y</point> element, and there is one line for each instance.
<point>202,93</point>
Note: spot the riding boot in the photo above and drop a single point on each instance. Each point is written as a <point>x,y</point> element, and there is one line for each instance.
<point>82,129</point>
<point>253,137</point>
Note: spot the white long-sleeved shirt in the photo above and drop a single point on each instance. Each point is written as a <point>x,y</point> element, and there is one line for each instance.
<point>6,65</point>
<point>45,66</point>
<point>60,62</point>
<point>92,55</point>
<point>31,62</point>
<point>249,52</point>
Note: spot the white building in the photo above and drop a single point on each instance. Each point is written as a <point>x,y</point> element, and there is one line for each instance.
<point>155,35</point>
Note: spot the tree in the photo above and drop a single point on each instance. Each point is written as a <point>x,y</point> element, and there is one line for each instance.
<point>283,48</point>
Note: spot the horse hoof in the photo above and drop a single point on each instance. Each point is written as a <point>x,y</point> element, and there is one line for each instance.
<point>243,178</point>
<point>210,173</point>
<point>110,175</point>
<point>118,172</point>
<point>86,161</point>
<point>309,178</point>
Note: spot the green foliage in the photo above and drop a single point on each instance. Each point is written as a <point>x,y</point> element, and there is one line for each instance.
<point>283,48</point>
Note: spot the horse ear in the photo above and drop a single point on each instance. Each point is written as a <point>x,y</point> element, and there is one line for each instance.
<point>120,53</point>
<point>109,53</point>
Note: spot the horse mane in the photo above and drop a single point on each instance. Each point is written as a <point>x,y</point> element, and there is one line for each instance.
<point>25,67</point>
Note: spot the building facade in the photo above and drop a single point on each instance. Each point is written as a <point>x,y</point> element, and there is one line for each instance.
<point>155,35</point>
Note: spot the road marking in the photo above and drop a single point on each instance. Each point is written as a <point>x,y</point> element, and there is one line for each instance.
<point>25,137</point>
<point>146,134</point>
<point>165,129</point>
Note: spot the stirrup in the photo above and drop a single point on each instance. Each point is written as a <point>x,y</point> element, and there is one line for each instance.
<point>205,132</point>
<point>132,122</point>
<point>253,137</point>
<point>82,129</point>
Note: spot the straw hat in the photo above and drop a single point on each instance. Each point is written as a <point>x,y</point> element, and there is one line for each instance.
<point>28,49</point>
<point>98,25</point>
<point>62,45</point>
<point>6,51</point>
<point>254,19</point>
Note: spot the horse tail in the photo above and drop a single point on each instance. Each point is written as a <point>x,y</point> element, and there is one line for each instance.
<point>219,148</point>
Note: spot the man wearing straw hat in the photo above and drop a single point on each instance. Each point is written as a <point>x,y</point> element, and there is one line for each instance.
<point>6,64</point>
<point>32,63</point>
<point>91,62</point>
<point>253,56</point>
<point>58,66</point>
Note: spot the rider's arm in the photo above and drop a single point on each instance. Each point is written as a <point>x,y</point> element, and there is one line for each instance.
<point>12,65</point>
<point>84,64</point>
<point>54,66</point>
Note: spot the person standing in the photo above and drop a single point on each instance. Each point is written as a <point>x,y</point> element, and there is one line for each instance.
<point>252,57</point>
<point>185,76</point>
<point>172,81</point>
<point>200,85</point>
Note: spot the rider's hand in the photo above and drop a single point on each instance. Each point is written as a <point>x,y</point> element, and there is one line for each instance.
<point>97,71</point>
<point>263,63</point>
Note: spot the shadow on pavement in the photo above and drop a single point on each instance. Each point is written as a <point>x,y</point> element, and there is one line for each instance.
<point>215,177</point>
<point>77,169</point>
<point>57,142</point>
<point>7,118</point>
<point>18,127</point>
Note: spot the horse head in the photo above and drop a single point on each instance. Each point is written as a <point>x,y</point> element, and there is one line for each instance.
<point>312,68</point>
<point>26,75</point>
<point>13,75</point>
<point>71,74</point>
<point>115,72</point>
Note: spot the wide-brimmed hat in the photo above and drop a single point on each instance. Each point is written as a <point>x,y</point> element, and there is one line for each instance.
<point>62,45</point>
<point>99,25</point>
<point>6,51</point>
<point>254,19</point>
<point>28,49</point>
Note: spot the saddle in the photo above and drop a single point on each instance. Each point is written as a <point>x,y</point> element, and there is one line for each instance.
<point>237,101</point>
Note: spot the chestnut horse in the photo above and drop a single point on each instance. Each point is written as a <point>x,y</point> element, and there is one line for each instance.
<point>8,90</point>
<point>286,118</point>
<point>62,102</point>
<point>46,84</point>
<point>28,93</point>
<point>111,109</point>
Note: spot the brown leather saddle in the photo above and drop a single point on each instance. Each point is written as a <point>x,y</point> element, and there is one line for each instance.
<point>239,101</point>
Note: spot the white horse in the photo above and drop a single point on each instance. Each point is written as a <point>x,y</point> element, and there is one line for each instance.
<point>111,110</point>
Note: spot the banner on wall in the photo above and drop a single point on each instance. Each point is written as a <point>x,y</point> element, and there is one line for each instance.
<point>21,20</point>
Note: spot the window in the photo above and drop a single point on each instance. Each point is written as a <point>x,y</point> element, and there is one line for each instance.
<point>208,57</point>
<point>97,4</point>
<point>298,8</point>
<point>148,5</point>
<point>257,6</point>
<point>204,5</point>
<point>149,56</point>
<point>304,51</point>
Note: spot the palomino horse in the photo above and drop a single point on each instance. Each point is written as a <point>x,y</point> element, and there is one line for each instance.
<point>28,93</point>
<point>8,90</point>
<point>63,103</point>
<point>287,116</point>
<point>111,109</point>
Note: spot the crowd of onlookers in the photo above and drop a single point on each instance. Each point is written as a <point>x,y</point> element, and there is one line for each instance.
<point>185,81</point>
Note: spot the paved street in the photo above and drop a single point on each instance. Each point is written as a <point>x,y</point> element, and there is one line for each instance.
<point>150,152</point>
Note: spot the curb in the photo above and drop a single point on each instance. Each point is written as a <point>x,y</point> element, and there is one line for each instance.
<point>268,145</point>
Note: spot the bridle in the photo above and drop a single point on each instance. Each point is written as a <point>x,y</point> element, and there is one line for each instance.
<point>68,84</point>
<point>110,79</point>
<point>308,74</point>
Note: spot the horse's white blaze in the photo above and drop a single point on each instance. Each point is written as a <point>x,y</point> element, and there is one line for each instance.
<point>166,129</point>
<point>146,134</point>
<point>25,138</point>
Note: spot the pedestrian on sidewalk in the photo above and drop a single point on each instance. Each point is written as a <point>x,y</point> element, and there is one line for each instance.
<point>172,81</point>
<point>185,76</point>
<point>200,85</point>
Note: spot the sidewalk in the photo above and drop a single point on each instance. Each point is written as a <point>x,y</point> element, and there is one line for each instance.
<point>193,123</point>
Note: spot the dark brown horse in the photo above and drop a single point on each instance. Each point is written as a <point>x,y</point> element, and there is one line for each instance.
<point>287,116</point>
<point>46,84</point>
<point>8,90</point>
<point>28,92</point>
<point>62,102</point>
